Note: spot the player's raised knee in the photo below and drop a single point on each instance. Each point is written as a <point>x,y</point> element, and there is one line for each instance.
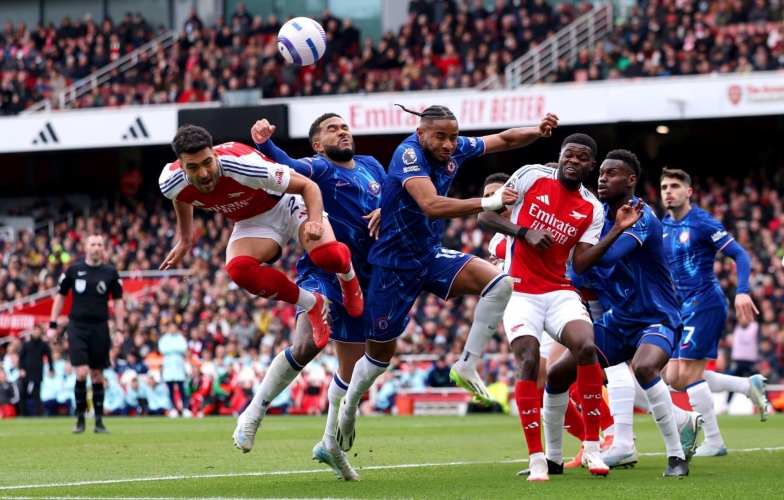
<point>500,288</point>
<point>333,257</point>
<point>242,271</point>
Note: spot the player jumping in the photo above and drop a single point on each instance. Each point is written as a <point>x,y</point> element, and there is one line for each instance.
<point>643,322</point>
<point>409,259</point>
<point>351,189</point>
<point>554,219</point>
<point>692,238</point>
<point>269,204</point>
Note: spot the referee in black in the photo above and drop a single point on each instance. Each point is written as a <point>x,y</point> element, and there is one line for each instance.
<point>89,340</point>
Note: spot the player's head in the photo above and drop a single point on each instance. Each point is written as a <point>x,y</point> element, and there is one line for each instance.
<point>618,175</point>
<point>494,182</point>
<point>437,132</point>
<point>577,159</point>
<point>193,147</point>
<point>94,247</point>
<point>675,188</point>
<point>329,135</point>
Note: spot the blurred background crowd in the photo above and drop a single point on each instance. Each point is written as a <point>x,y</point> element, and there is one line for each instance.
<point>444,44</point>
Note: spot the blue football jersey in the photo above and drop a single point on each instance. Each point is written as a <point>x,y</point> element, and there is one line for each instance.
<point>691,245</point>
<point>408,239</point>
<point>638,288</point>
<point>348,194</point>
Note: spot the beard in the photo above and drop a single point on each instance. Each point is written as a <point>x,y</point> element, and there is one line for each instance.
<point>430,156</point>
<point>336,153</point>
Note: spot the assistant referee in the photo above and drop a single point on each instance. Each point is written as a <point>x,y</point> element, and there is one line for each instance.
<point>89,341</point>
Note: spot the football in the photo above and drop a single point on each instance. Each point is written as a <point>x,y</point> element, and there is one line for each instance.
<point>302,41</point>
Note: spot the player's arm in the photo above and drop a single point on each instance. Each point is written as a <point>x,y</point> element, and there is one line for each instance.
<point>184,213</point>
<point>262,132</point>
<point>520,137</point>
<point>442,207</point>
<point>604,253</point>
<point>314,204</point>
<point>744,306</point>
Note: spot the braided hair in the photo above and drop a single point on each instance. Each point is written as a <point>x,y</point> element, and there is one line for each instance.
<point>431,113</point>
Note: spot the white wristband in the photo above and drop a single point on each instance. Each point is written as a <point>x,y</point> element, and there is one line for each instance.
<point>494,202</point>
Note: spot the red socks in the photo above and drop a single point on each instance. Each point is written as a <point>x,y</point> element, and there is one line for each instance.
<point>589,384</point>
<point>527,397</point>
<point>333,257</point>
<point>260,280</point>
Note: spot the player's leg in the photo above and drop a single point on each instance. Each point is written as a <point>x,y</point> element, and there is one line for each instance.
<point>620,387</point>
<point>570,322</point>
<point>327,450</point>
<point>754,387</point>
<point>494,288</point>
<point>259,240</point>
<point>653,353</point>
<point>282,371</point>
<point>523,324</point>
<point>572,420</point>
<point>326,253</point>
<point>391,294</point>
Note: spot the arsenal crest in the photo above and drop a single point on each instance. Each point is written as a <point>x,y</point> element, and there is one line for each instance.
<point>735,93</point>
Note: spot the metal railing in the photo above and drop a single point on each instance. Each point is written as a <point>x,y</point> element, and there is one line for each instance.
<point>67,96</point>
<point>70,216</point>
<point>540,62</point>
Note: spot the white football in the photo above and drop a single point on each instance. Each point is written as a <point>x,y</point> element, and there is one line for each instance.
<point>302,41</point>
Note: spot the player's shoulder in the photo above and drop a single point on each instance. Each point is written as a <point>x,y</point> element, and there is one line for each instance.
<point>368,161</point>
<point>409,151</point>
<point>172,180</point>
<point>237,149</point>
<point>700,215</point>
<point>530,174</point>
<point>649,218</point>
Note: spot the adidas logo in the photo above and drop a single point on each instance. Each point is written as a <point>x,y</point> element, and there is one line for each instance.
<point>197,203</point>
<point>544,199</point>
<point>46,135</point>
<point>136,131</point>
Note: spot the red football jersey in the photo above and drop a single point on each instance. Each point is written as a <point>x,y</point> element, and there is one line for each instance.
<point>249,184</point>
<point>571,216</point>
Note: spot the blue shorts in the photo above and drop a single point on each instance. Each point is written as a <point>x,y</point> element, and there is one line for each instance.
<point>617,342</point>
<point>702,331</point>
<point>392,292</point>
<point>345,328</point>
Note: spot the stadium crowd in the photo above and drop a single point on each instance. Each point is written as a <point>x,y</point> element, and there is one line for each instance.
<point>443,44</point>
<point>229,337</point>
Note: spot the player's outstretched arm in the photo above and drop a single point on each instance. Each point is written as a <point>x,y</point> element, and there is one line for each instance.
<point>314,204</point>
<point>520,137</point>
<point>586,255</point>
<point>261,132</point>
<point>184,213</point>
<point>441,207</point>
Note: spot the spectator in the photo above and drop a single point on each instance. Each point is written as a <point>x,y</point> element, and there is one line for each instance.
<point>745,349</point>
<point>154,397</point>
<point>438,376</point>
<point>9,397</point>
<point>31,369</point>
<point>414,378</point>
<point>385,397</point>
<point>173,346</point>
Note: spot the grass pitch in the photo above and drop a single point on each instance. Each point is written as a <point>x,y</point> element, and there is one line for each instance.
<point>397,457</point>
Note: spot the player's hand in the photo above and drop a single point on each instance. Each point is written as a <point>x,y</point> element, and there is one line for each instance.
<point>22,373</point>
<point>541,239</point>
<point>261,131</point>
<point>745,308</point>
<point>509,196</point>
<point>51,334</point>
<point>628,215</point>
<point>178,252</point>
<point>374,222</point>
<point>548,123</point>
<point>312,231</point>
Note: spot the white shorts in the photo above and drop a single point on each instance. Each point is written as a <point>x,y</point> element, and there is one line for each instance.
<point>528,314</point>
<point>281,223</point>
